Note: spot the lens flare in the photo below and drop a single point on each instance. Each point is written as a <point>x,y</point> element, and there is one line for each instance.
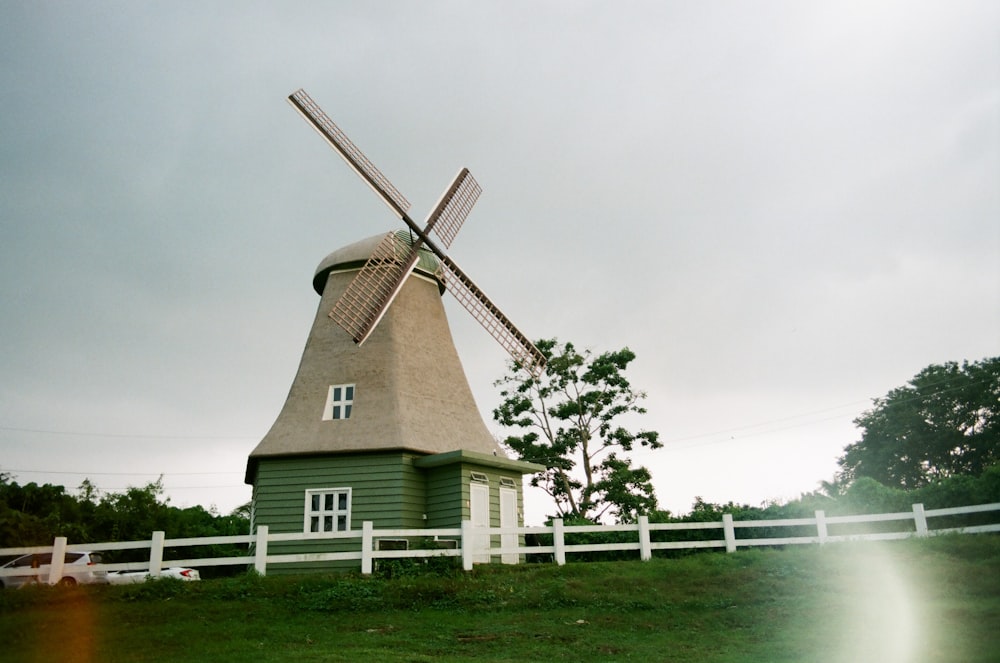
<point>880,601</point>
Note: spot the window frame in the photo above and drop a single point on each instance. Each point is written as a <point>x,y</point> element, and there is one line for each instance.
<point>335,512</point>
<point>345,405</point>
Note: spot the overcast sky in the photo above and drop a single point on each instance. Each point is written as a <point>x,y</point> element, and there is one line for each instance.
<point>786,209</point>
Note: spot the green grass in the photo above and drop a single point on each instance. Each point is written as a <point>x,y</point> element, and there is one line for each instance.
<point>931,600</point>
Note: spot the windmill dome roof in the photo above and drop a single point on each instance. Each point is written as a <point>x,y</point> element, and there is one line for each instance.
<point>353,256</point>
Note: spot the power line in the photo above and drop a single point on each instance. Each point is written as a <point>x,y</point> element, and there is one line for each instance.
<point>230,486</point>
<point>672,443</point>
<point>120,474</point>
<point>762,424</point>
<point>882,400</point>
<point>147,436</point>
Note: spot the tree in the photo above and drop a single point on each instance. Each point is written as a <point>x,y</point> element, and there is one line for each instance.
<point>32,515</point>
<point>944,422</point>
<point>134,514</point>
<point>569,417</point>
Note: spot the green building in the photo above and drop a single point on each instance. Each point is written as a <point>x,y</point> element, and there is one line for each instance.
<point>386,432</point>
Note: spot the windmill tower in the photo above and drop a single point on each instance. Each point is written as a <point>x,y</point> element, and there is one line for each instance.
<point>380,423</point>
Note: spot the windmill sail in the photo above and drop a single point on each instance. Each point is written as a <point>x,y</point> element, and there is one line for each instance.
<point>372,291</point>
<point>354,157</point>
<point>370,294</point>
<point>375,287</point>
<point>491,318</point>
<point>454,206</point>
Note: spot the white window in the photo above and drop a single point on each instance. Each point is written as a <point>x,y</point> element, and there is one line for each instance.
<point>328,510</point>
<point>339,401</point>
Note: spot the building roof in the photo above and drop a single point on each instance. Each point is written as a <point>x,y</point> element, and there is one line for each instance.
<point>477,458</point>
<point>411,392</point>
<point>353,256</point>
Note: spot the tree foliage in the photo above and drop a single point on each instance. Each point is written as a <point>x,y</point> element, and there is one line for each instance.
<point>35,514</point>
<point>944,422</point>
<point>569,422</point>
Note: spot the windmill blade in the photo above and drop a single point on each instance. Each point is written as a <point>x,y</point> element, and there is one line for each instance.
<point>453,207</point>
<point>491,318</point>
<point>369,295</point>
<point>354,157</point>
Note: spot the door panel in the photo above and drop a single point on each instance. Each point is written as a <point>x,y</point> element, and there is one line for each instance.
<point>508,518</point>
<point>479,508</point>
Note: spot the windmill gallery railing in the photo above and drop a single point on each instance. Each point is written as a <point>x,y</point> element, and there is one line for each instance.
<point>554,542</point>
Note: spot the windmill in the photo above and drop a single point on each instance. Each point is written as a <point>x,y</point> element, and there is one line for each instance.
<point>371,293</point>
<point>383,434</point>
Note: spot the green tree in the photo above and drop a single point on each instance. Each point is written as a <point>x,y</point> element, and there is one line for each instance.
<point>33,514</point>
<point>132,515</point>
<point>944,422</point>
<point>568,419</point>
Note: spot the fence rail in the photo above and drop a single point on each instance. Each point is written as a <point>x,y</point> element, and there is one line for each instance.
<point>469,541</point>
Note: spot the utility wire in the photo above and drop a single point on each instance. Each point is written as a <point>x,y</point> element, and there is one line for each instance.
<point>125,435</point>
<point>121,474</point>
<point>762,424</point>
<point>732,432</point>
<point>667,443</point>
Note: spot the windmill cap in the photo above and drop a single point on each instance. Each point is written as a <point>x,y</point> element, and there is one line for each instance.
<point>354,256</point>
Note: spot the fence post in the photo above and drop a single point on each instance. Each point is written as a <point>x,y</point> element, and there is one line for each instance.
<point>367,544</point>
<point>468,538</point>
<point>558,542</point>
<point>821,531</point>
<point>156,554</point>
<point>260,550</point>
<point>58,559</point>
<point>920,520</point>
<point>645,550</point>
<point>730,532</point>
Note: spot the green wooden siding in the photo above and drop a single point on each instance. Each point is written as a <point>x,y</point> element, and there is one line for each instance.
<point>386,488</point>
<point>446,482</point>
<point>446,506</point>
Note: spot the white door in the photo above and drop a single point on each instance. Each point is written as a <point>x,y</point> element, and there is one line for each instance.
<point>508,518</point>
<point>479,508</point>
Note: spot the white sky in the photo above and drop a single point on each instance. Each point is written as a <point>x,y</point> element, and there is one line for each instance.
<point>785,209</point>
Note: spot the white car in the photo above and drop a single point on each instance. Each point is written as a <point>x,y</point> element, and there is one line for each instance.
<point>129,577</point>
<point>76,569</point>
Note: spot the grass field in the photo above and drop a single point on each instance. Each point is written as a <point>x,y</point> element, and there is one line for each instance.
<point>929,600</point>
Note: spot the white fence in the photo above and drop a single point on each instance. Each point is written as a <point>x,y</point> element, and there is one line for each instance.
<point>475,545</point>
